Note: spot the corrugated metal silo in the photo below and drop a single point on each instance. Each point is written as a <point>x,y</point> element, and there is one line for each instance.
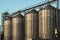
<point>7,29</point>
<point>47,22</point>
<point>59,24</point>
<point>18,27</point>
<point>31,25</point>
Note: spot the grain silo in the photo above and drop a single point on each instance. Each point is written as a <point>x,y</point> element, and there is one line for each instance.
<point>47,22</point>
<point>31,25</point>
<point>18,27</point>
<point>7,28</point>
<point>59,24</point>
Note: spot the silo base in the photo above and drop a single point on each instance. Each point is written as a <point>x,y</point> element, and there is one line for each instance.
<point>33,39</point>
<point>45,39</point>
<point>6,38</point>
<point>29,39</point>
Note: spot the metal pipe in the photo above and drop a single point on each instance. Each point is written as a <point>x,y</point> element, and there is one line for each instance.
<point>57,11</point>
<point>35,6</point>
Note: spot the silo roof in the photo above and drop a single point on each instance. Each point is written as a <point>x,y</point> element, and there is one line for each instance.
<point>17,14</point>
<point>49,6</point>
<point>32,10</point>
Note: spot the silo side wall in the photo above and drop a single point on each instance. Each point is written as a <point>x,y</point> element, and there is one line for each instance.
<point>7,29</point>
<point>46,23</point>
<point>17,28</point>
<point>31,26</point>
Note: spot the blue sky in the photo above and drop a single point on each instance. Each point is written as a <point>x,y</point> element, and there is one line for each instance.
<point>14,5</point>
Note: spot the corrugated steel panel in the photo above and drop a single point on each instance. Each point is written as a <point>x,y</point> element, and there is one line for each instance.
<point>7,29</point>
<point>18,27</point>
<point>47,22</point>
<point>31,25</point>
